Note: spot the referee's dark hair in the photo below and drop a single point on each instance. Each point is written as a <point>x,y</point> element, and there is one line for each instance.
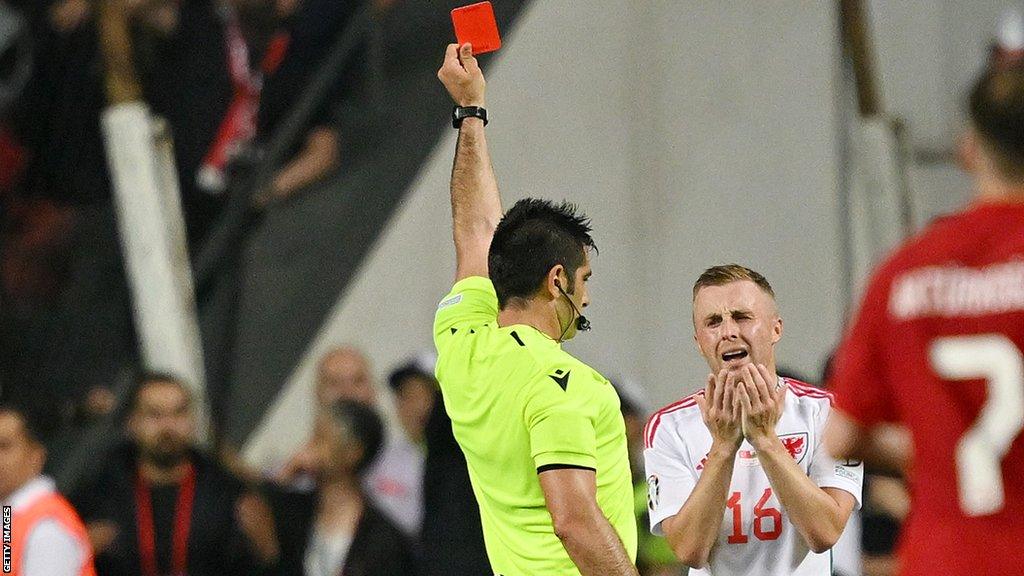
<point>533,237</point>
<point>996,107</point>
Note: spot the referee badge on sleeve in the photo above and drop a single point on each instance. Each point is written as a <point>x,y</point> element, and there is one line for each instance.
<point>450,302</point>
<point>652,491</point>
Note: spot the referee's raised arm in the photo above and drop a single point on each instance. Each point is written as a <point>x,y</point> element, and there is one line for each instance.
<point>476,204</point>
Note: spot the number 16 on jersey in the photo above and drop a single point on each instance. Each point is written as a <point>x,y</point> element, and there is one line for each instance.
<point>762,516</point>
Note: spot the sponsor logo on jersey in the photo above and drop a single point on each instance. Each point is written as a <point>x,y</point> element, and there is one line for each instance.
<point>747,457</point>
<point>795,444</point>
<point>703,461</point>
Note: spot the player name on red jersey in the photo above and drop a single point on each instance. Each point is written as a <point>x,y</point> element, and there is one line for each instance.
<point>958,291</point>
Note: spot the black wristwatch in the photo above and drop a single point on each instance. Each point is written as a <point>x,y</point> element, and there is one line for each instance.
<point>460,113</point>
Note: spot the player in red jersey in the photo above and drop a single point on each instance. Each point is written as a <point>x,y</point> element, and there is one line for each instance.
<point>937,347</point>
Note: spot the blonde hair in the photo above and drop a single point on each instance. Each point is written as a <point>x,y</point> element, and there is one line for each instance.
<point>728,273</point>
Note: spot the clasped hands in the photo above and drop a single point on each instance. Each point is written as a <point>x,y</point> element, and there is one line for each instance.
<point>741,403</point>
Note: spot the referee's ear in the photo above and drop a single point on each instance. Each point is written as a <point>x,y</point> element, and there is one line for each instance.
<point>554,281</point>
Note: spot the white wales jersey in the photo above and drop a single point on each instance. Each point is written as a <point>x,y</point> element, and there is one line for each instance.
<point>757,536</point>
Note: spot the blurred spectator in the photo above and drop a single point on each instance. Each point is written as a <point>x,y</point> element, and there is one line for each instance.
<point>394,481</point>
<point>654,557</point>
<point>48,538</point>
<point>276,49</point>
<point>59,117</point>
<point>181,51</point>
<point>396,477</point>
<point>344,374</point>
<point>886,501</point>
<point>66,320</point>
<point>415,392</point>
<point>452,537</point>
<point>306,32</point>
<point>158,506</point>
<point>224,73</point>
<point>31,265</point>
<point>336,530</point>
<point>181,63</point>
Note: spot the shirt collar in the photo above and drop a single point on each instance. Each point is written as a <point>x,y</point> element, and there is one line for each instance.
<point>30,491</point>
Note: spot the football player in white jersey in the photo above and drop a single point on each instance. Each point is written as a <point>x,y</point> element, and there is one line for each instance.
<point>739,480</point>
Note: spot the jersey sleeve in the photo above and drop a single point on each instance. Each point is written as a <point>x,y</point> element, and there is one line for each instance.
<point>828,472</point>
<point>859,390</point>
<point>561,418</point>
<point>670,478</point>
<point>51,549</point>
<point>471,302</point>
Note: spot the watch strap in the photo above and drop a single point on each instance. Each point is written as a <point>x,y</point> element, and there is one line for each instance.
<point>460,113</point>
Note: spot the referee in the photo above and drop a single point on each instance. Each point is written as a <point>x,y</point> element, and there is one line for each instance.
<point>542,432</point>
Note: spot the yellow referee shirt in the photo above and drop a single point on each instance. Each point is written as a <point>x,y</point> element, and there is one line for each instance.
<point>519,403</point>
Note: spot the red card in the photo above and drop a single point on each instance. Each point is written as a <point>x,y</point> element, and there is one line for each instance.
<point>476,24</point>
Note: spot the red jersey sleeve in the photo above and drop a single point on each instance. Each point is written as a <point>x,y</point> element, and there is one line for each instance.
<point>859,377</point>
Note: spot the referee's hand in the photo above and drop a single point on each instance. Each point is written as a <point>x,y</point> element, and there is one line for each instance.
<point>461,76</point>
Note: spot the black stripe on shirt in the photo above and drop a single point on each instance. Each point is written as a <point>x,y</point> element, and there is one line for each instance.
<point>547,467</point>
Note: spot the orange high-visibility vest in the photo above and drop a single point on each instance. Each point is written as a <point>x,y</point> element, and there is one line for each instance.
<point>51,506</point>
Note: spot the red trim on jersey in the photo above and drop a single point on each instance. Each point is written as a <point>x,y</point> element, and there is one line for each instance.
<point>803,389</point>
<point>655,419</point>
<point>799,388</point>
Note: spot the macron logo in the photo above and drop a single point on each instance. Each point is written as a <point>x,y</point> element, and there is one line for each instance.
<point>562,378</point>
